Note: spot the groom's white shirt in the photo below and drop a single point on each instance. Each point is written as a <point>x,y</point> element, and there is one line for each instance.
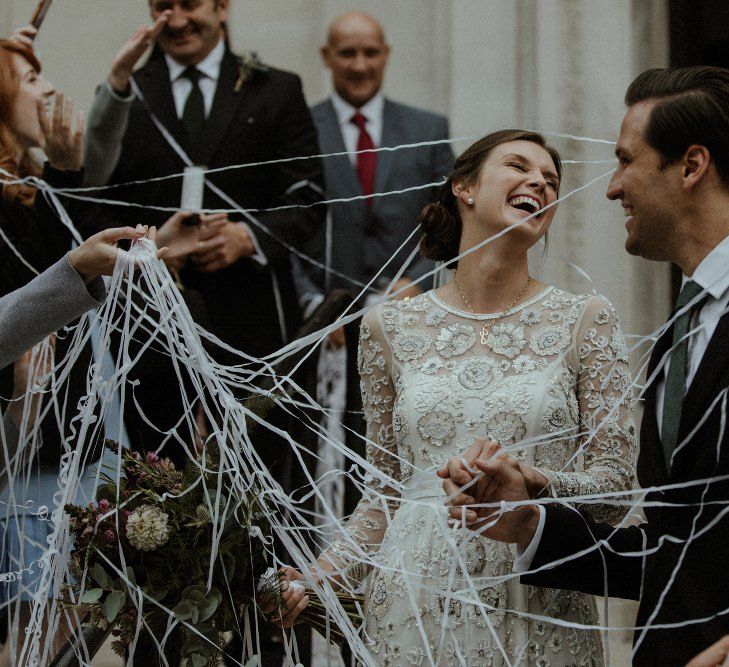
<point>712,274</point>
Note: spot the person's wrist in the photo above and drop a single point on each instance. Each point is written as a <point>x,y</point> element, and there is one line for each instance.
<point>75,259</point>
<point>528,526</point>
<point>536,482</point>
<point>119,83</point>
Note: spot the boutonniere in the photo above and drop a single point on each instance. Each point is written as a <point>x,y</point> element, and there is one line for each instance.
<point>248,63</point>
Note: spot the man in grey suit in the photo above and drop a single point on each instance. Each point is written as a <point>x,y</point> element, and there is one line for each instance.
<point>372,237</point>
<point>364,236</point>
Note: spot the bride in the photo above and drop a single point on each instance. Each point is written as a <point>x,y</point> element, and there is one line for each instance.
<point>493,354</point>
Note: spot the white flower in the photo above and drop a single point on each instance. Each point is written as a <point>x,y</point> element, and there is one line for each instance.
<point>505,428</point>
<point>410,345</point>
<point>602,316</point>
<point>435,317</point>
<point>437,428</point>
<point>455,339</point>
<point>556,418</point>
<point>506,339</point>
<point>432,365</point>
<point>550,340</point>
<point>530,316</point>
<point>479,372</point>
<point>523,364</point>
<point>415,656</point>
<point>147,528</point>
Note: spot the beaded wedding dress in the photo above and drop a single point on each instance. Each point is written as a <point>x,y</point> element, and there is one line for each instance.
<point>550,382</point>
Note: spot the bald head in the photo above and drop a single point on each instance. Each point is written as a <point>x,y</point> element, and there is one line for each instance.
<point>355,23</point>
<point>356,53</point>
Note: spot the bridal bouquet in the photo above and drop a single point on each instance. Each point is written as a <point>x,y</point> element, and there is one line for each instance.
<point>145,548</point>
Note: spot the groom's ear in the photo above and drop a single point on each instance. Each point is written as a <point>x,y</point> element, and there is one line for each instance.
<point>695,165</point>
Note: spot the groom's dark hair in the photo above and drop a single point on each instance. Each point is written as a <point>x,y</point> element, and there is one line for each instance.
<point>692,108</point>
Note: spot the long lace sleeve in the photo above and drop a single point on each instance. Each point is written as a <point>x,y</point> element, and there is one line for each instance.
<point>365,528</point>
<point>608,440</point>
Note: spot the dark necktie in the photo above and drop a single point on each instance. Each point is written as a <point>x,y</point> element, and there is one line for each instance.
<point>366,162</point>
<point>193,114</point>
<point>675,388</point>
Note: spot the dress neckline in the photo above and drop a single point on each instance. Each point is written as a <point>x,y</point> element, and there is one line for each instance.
<point>488,316</point>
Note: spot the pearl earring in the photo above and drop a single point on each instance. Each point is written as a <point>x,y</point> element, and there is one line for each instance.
<point>469,201</point>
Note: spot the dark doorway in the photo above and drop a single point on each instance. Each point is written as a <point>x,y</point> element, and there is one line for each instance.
<point>699,35</point>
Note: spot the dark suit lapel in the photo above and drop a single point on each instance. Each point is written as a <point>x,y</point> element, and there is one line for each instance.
<point>154,82</point>
<point>225,106</point>
<point>391,132</point>
<point>651,464</point>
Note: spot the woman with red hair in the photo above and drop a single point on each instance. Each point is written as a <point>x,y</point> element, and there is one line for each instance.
<point>32,238</point>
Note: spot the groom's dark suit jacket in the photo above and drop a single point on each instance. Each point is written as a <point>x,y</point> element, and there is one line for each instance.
<point>682,582</point>
<point>262,119</point>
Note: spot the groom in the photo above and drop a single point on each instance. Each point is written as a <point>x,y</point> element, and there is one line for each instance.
<point>672,181</point>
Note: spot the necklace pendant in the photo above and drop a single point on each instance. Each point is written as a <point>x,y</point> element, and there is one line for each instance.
<point>484,334</point>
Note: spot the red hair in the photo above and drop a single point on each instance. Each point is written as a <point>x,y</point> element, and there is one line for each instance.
<point>9,86</point>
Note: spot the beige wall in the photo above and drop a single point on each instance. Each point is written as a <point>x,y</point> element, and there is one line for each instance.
<point>559,65</point>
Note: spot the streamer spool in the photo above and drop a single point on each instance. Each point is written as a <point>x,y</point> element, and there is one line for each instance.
<point>193,185</point>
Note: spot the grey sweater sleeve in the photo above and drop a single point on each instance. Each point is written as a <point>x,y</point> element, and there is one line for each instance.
<point>48,302</point>
<point>105,127</point>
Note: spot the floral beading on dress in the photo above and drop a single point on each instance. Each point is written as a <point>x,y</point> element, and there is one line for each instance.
<point>550,383</point>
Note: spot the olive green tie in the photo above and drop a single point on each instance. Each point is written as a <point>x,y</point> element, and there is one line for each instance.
<point>676,381</point>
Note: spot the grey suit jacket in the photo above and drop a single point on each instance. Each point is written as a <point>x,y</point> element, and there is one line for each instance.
<point>364,239</point>
<point>48,302</point>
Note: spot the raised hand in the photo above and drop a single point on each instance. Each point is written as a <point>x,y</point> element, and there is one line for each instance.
<point>96,256</point>
<point>63,145</point>
<point>132,50</point>
<point>24,36</point>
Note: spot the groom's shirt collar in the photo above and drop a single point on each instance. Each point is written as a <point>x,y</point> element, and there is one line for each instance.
<point>713,272</point>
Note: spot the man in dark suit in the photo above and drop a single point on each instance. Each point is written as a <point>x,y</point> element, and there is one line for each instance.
<point>673,183</point>
<point>194,94</point>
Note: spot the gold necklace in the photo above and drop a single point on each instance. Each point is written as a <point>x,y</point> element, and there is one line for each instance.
<point>496,316</point>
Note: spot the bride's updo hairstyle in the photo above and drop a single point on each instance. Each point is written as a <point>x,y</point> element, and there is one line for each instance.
<point>441,220</point>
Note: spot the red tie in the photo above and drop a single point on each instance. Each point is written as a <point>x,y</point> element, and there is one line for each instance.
<point>366,162</point>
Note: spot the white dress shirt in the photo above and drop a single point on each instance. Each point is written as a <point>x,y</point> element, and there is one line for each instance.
<point>712,274</point>
<point>209,68</point>
<point>372,111</point>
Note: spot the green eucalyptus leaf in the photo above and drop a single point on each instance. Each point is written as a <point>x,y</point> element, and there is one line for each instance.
<point>194,592</point>
<point>91,595</point>
<point>183,610</point>
<point>216,595</point>
<point>113,604</point>
<point>194,615</point>
<point>208,609</point>
<point>99,575</point>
